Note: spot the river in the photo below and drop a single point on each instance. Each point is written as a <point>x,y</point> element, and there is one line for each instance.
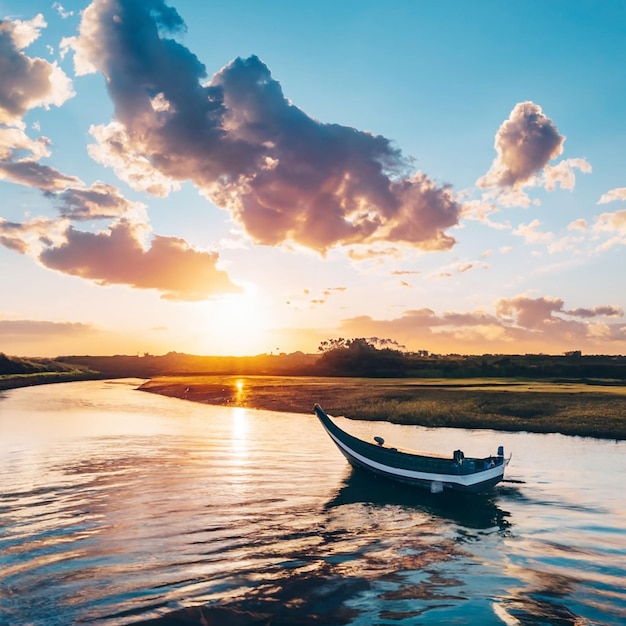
<point>118,506</point>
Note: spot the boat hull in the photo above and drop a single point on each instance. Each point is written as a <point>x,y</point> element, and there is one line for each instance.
<point>433,473</point>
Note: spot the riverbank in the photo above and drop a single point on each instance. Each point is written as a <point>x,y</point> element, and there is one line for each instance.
<point>571,408</point>
<point>15,381</point>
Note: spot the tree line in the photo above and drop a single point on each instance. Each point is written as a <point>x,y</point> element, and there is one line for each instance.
<point>367,357</point>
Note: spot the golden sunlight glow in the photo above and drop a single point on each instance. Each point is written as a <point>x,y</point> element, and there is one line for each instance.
<point>241,393</point>
<point>237,325</point>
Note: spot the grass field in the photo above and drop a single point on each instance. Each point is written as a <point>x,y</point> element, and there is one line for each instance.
<point>592,409</point>
<point>13,381</point>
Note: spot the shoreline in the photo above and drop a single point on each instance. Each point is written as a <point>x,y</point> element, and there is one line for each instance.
<point>573,409</point>
<point>17,381</point>
<point>568,408</point>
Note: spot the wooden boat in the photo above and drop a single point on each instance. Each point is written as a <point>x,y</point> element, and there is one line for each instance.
<point>435,473</point>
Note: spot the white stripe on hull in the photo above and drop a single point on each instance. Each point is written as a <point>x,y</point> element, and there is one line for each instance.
<point>466,480</point>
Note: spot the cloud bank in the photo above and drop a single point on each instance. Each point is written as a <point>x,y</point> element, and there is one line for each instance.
<point>285,177</point>
<point>517,325</point>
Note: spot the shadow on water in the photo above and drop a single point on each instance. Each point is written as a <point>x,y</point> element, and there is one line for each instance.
<point>472,511</point>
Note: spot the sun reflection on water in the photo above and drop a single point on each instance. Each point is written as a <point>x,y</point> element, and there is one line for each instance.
<point>239,426</point>
<point>241,392</point>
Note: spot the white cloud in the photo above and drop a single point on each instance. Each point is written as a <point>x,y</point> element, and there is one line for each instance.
<point>612,195</point>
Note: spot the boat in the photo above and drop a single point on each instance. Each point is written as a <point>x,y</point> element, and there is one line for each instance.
<point>433,472</point>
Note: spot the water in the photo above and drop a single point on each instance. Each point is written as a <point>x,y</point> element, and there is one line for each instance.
<point>117,506</point>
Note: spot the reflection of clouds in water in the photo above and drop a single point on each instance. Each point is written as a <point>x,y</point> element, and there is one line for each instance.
<point>576,576</point>
<point>543,600</point>
<point>353,568</point>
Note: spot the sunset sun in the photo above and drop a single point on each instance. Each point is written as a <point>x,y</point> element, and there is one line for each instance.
<point>239,323</point>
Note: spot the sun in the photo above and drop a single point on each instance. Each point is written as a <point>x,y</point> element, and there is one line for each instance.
<point>238,324</point>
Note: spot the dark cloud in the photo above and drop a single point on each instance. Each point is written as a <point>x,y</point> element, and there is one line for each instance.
<point>12,237</point>
<point>33,174</point>
<point>597,311</point>
<point>170,265</point>
<point>98,202</point>
<point>284,176</point>
<point>525,143</point>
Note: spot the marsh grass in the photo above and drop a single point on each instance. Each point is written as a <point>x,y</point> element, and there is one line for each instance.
<point>12,381</point>
<point>571,408</point>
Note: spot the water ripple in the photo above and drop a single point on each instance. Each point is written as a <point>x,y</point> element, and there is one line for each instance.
<point>141,511</point>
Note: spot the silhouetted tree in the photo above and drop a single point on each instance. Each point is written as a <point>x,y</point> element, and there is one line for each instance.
<point>360,357</point>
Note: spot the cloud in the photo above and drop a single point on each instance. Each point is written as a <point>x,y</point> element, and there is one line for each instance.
<point>579,224</point>
<point>126,253</point>
<point>117,256</point>
<point>33,174</point>
<point>520,323</point>
<point>458,267</point>
<point>529,312</point>
<point>377,253</point>
<point>33,328</point>
<point>615,225</point>
<point>61,11</point>
<point>49,338</point>
<point>611,222</point>
<point>612,195</point>
<point>537,312</point>
<point>29,237</point>
<point>532,234</point>
<point>405,272</point>
<point>284,176</point>
<point>597,311</point>
<point>305,299</point>
<point>563,173</point>
<point>116,149</point>
<point>27,82</point>
<point>97,202</point>
<point>19,162</point>
<point>524,143</point>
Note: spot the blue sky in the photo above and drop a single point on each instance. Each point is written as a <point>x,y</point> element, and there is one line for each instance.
<point>450,175</point>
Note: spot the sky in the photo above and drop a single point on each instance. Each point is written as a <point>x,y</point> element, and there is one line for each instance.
<point>258,177</point>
